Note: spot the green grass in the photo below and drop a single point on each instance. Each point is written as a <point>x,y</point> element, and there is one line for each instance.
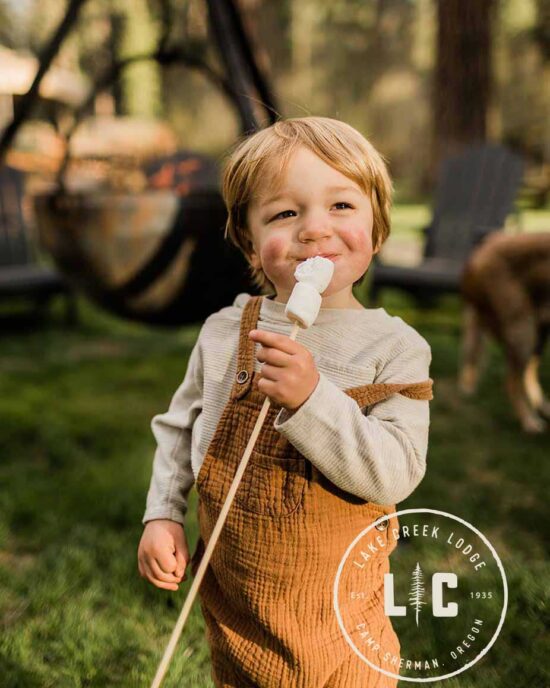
<point>75,413</point>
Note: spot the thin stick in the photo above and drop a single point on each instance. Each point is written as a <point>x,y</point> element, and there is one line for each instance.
<point>178,628</point>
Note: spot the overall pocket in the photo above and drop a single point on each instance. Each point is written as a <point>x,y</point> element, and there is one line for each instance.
<point>272,486</point>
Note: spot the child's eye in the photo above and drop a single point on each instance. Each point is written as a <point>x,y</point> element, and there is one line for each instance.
<point>279,215</point>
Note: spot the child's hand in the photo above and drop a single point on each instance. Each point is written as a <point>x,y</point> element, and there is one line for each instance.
<point>289,375</point>
<point>163,553</point>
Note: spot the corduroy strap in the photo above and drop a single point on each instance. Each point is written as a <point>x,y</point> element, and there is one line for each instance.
<point>245,355</point>
<point>369,394</point>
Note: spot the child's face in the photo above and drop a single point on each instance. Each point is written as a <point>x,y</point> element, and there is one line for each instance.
<point>309,218</point>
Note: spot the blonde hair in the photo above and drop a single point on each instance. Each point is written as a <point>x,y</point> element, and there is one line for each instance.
<point>265,155</point>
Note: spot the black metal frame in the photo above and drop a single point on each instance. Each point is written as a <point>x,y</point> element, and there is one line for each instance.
<point>244,85</point>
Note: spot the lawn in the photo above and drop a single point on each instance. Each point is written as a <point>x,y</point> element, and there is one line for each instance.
<point>75,412</point>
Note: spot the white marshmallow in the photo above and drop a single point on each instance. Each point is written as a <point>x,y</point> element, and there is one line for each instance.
<point>316,271</point>
<point>303,304</point>
<point>313,276</point>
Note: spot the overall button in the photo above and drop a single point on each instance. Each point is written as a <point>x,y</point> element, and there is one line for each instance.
<point>242,376</point>
<point>384,523</point>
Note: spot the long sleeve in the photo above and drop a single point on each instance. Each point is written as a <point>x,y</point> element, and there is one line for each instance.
<point>172,475</point>
<point>380,457</point>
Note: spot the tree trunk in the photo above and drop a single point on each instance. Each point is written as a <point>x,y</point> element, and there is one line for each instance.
<point>462,77</point>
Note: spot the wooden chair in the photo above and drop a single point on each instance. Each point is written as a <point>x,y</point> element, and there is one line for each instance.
<point>475,193</point>
<point>21,276</point>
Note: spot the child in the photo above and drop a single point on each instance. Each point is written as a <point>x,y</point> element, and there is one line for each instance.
<point>335,452</point>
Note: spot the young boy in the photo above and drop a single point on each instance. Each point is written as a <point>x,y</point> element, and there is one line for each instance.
<point>345,437</point>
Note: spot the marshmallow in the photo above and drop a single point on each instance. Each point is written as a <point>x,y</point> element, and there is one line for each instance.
<point>316,271</point>
<point>313,276</point>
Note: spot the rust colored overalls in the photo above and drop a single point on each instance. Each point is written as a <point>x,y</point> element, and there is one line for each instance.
<point>267,595</point>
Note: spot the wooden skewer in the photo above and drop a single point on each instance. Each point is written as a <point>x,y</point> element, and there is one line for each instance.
<point>178,628</point>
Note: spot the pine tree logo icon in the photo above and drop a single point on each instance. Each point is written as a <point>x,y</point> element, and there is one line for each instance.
<point>416,594</point>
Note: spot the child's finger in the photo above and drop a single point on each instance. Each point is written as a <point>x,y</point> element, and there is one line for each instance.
<point>274,339</point>
<point>156,581</point>
<point>166,586</point>
<point>181,565</point>
<point>274,357</point>
<point>160,574</point>
<point>181,553</point>
<point>165,558</point>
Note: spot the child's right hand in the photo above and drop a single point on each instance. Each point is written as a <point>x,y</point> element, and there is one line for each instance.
<point>163,553</point>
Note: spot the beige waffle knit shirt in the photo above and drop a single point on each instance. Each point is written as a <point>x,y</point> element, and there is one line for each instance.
<point>377,453</point>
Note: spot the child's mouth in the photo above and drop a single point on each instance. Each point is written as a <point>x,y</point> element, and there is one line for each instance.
<point>332,257</point>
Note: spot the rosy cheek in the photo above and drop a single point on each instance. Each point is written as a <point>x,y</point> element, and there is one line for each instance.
<point>273,249</point>
<point>358,238</point>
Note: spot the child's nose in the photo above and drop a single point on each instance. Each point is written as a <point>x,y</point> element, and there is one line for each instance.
<point>314,225</point>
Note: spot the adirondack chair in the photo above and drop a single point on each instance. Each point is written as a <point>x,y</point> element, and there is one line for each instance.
<point>20,274</point>
<point>475,193</point>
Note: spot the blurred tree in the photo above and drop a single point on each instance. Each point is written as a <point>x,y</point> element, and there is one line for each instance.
<point>368,39</point>
<point>541,31</point>
<point>384,66</point>
<point>462,79</point>
<point>141,83</point>
<point>108,29</point>
<point>521,114</point>
<point>272,30</point>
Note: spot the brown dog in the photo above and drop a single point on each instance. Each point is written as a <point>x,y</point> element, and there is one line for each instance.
<point>506,287</point>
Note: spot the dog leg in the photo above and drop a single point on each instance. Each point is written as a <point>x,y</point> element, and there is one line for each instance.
<point>472,350</point>
<point>517,391</point>
<point>520,339</point>
<point>533,389</point>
